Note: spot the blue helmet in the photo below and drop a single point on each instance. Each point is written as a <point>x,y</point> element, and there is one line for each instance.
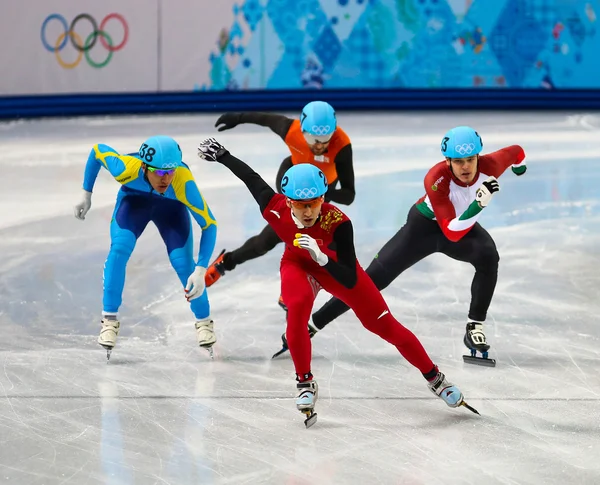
<point>160,152</point>
<point>303,182</point>
<point>461,142</point>
<point>318,118</point>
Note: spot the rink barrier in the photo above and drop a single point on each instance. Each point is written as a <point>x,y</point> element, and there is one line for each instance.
<point>34,106</point>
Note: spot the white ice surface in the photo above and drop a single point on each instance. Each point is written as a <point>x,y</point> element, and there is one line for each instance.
<point>162,413</point>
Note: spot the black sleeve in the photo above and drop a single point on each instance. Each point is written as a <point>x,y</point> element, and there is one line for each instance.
<point>345,170</point>
<point>344,270</point>
<point>286,164</point>
<point>260,190</point>
<point>279,124</point>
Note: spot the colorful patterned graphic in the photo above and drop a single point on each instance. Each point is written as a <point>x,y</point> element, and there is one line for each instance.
<point>316,44</point>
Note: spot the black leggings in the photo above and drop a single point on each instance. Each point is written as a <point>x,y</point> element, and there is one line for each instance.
<point>417,239</point>
<point>263,242</point>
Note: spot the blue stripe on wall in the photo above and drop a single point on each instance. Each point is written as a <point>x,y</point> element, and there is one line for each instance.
<point>15,107</point>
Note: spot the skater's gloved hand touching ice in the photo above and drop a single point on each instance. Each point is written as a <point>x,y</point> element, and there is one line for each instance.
<point>304,241</point>
<point>81,209</point>
<point>211,150</point>
<point>195,284</point>
<point>484,194</point>
<point>228,120</point>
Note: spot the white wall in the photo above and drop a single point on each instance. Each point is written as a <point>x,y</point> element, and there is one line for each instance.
<point>29,68</point>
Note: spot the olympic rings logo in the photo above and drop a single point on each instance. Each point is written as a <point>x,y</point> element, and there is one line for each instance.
<point>465,148</point>
<point>320,130</point>
<point>83,47</point>
<point>306,193</point>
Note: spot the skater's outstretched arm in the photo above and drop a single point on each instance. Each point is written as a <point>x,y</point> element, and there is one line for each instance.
<point>345,171</point>
<point>213,151</point>
<point>497,162</point>
<point>187,192</point>
<point>280,125</point>
<point>124,168</point>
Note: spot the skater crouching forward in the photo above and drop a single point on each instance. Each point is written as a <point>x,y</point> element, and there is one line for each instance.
<point>155,186</point>
<point>444,220</point>
<point>309,226</point>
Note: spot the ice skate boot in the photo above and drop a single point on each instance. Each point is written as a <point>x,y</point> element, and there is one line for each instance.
<point>108,334</point>
<point>475,341</point>
<point>308,392</point>
<point>284,345</point>
<point>282,304</point>
<point>206,335</point>
<point>215,270</point>
<point>448,392</point>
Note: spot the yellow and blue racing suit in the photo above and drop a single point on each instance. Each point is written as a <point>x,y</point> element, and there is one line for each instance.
<point>138,204</point>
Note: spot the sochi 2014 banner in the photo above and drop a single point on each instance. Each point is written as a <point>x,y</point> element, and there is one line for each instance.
<point>78,46</point>
<point>84,46</point>
<point>320,44</point>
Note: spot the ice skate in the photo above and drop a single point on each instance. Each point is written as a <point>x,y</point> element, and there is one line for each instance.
<point>215,270</point>
<point>206,335</point>
<point>308,392</point>
<point>108,335</point>
<point>475,341</point>
<point>448,392</point>
<point>284,345</point>
<point>282,304</point>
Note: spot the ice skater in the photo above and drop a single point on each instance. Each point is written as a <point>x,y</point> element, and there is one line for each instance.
<point>309,227</point>
<point>155,186</point>
<point>315,138</point>
<point>444,220</point>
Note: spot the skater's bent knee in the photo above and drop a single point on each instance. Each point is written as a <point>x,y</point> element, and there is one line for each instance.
<point>122,242</point>
<point>123,248</point>
<point>487,256</point>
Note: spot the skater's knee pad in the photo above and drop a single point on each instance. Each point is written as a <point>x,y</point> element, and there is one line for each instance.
<point>123,243</point>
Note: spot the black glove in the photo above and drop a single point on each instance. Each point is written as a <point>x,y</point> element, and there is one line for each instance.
<point>228,120</point>
<point>211,150</point>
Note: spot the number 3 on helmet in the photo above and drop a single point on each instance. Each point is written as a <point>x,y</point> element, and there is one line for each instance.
<point>461,142</point>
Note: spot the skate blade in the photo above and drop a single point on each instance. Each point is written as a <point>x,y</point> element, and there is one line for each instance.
<point>209,349</point>
<point>279,352</point>
<point>311,418</point>
<point>470,408</point>
<point>108,351</point>
<point>479,361</point>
